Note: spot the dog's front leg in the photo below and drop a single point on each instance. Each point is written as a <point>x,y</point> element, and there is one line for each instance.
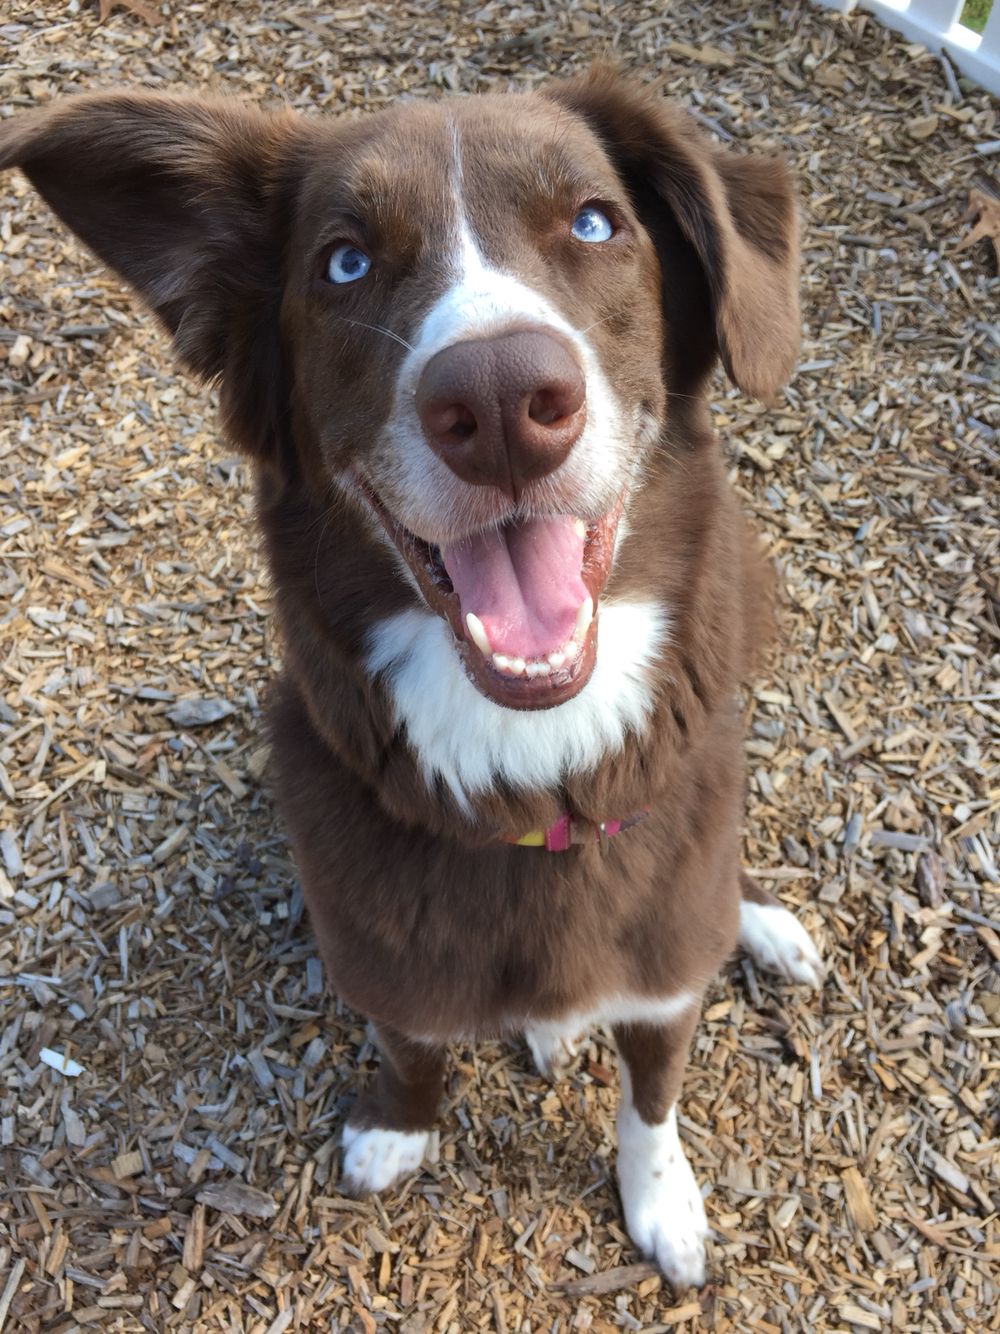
<point>664,1212</point>
<point>389,1127</point>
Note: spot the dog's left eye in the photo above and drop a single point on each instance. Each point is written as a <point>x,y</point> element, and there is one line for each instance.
<point>347,264</point>
<point>590,224</point>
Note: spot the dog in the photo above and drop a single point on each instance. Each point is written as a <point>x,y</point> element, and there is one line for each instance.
<point>466,344</point>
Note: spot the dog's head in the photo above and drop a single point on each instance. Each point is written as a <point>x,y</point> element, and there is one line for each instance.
<point>472,317</point>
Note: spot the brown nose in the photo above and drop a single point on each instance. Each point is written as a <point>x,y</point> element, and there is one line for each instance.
<point>503,411</point>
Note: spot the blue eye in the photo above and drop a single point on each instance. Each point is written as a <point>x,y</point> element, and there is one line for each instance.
<point>590,224</point>
<point>347,264</point>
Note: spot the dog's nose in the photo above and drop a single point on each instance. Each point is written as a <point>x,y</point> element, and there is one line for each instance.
<point>503,411</point>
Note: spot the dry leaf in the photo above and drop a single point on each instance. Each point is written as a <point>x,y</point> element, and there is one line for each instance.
<point>986,210</point>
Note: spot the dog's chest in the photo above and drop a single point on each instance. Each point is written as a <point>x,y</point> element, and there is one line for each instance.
<point>471,744</point>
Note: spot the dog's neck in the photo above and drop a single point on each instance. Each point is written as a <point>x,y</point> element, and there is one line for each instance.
<point>386,690</point>
<point>473,746</point>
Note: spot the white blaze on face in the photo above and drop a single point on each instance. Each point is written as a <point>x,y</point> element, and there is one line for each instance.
<point>461,736</point>
<point>482,300</point>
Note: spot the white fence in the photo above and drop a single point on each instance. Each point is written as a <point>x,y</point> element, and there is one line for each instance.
<point>935,24</point>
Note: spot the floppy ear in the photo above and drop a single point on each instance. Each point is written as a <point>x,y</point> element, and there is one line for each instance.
<point>181,198</point>
<point>737,215</point>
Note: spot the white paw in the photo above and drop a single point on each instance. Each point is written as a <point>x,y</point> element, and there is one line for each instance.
<point>552,1049</point>
<point>776,941</point>
<point>374,1159</point>
<point>664,1211</point>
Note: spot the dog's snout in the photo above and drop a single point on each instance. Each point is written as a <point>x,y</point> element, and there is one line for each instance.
<point>503,411</point>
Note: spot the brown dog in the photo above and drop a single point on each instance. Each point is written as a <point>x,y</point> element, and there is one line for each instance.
<point>466,344</point>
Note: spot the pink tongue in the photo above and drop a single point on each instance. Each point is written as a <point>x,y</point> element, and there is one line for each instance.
<point>523,582</point>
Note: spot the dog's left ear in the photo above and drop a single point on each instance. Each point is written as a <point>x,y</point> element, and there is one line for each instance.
<point>738,215</point>
<point>183,199</point>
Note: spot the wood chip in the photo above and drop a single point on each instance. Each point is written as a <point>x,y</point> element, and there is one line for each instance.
<point>857,1315</point>
<point>127,1164</point>
<point>859,1203</point>
<point>237,1198</point>
<point>609,1280</point>
<point>194,1240</point>
<point>196,712</point>
<point>60,1061</point>
<point>948,1172</point>
<point>9,1289</point>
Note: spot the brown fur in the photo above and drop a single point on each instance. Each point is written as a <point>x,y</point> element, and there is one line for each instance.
<point>218,215</point>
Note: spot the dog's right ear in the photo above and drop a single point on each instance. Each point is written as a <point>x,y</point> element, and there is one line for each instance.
<point>183,199</point>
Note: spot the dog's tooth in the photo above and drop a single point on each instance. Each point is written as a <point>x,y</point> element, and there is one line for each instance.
<point>583,618</point>
<point>501,662</point>
<point>571,650</point>
<point>537,669</point>
<point>478,635</point>
<point>557,659</point>
<point>580,528</point>
<point>516,666</point>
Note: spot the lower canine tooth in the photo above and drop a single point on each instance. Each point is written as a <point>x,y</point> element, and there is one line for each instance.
<point>572,650</point>
<point>557,659</point>
<point>583,618</point>
<point>478,635</point>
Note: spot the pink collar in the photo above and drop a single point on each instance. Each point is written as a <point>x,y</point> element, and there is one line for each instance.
<point>566,831</point>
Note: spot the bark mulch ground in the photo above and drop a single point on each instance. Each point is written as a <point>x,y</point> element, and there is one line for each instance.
<point>172,1072</point>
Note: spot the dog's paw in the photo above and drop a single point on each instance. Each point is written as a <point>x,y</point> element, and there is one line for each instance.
<point>375,1159</point>
<point>553,1050</point>
<point>664,1211</point>
<point>777,942</point>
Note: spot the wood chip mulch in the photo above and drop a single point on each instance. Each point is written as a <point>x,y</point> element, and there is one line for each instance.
<point>172,1071</point>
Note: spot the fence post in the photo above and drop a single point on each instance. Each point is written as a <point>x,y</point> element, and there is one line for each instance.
<point>935,24</point>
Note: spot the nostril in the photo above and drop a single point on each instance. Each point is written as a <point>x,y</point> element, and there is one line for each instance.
<point>503,411</point>
<point>544,408</point>
<point>551,405</point>
<point>449,423</point>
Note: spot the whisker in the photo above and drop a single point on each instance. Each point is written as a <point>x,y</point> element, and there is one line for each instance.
<point>603,320</point>
<point>379,328</point>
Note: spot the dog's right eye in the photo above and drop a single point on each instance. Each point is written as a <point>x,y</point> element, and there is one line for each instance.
<point>347,264</point>
<point>592,226</point>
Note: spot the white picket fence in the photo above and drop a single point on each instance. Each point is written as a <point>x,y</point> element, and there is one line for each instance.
<point>935,24</point>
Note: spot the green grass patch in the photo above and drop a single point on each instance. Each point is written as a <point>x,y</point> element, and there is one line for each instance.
<point>975,13</point>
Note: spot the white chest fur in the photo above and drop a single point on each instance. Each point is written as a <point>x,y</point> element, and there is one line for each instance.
<point>468,742</point>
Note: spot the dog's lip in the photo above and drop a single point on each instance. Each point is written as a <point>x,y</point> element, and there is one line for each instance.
<point>562,680</point>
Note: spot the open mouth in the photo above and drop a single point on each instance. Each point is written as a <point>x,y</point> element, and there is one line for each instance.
<point>522,600</point>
